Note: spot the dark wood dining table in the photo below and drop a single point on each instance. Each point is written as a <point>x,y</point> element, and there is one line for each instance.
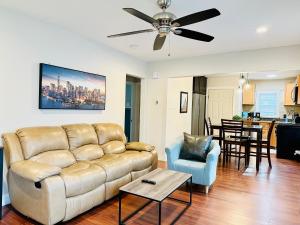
<point>258,129</point>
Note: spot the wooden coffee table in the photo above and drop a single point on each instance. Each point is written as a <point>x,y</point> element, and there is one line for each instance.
<point>167,181</point>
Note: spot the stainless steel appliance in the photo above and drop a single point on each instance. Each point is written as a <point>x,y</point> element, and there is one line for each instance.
<point>199,105</point>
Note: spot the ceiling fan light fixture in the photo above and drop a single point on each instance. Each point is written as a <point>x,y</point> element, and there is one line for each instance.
<point>164,4</point>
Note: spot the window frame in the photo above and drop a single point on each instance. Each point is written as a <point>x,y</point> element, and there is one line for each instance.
<point>276,107</point>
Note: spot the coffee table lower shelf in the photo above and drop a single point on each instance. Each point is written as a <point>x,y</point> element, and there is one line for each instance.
<point>187,203</point>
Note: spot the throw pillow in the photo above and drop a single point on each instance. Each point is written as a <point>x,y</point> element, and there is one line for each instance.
<point>195,147</point>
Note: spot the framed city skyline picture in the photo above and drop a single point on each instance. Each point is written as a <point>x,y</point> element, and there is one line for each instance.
<point>62,88</point>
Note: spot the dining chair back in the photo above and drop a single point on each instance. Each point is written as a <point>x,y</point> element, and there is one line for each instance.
<point>232,136</point>
<point>232,128</point>
<point>206,127</point>
<point>270,131</point>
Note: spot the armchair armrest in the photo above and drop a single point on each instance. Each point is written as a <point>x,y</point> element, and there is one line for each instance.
<point>212,162</point>
<point>34,171</point>
<point>173,154</point>
<point>139,146</point>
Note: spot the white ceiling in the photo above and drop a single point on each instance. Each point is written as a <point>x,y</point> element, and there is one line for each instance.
<point>234,30</point>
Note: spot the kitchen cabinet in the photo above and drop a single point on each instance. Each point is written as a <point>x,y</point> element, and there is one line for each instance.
<point>298,84</point>
<point>249,94</point>
<point>288,94</point>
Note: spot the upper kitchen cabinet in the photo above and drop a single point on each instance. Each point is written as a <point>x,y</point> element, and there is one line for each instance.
<point>249,94</point>
<point>298,85</point>
<point>288,97</point>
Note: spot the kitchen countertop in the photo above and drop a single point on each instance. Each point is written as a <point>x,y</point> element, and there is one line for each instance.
<point>269,120</point>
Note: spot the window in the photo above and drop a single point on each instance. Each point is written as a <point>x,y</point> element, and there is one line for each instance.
<point>267,104</point>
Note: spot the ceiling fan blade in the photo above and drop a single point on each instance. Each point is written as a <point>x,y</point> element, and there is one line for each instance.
<point>130,33</point>
<point>193,35</point>
<point>141,15</point>
<point>196,17</point>
<point>159,42</point>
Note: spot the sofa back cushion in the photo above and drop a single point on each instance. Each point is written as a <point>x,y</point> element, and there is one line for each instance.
<point>83,141</point>
<point>107,132</point>
<point>113,147</point>
<point>58,158</point>
<point>88,152</point>
<point>37,140</point>
<point>80,135</point>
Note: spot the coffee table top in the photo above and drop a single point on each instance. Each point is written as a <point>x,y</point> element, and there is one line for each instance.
<point>167,181</point>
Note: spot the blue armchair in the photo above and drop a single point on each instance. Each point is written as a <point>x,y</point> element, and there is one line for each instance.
<point>203,173</point>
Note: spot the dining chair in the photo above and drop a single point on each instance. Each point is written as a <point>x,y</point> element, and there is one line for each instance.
<point>233,135</point>
<point>211,132</point>
<point>265,143</point>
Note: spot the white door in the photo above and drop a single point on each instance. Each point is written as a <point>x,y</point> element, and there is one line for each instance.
<point>220,104</point>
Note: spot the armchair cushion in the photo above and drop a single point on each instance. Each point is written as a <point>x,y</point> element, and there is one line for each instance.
<point>139,146</point>
<point>195,147</point>
<point>34,171</point>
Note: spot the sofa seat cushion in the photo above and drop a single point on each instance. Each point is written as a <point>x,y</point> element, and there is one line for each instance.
<point>114,166</point>
<point>59,158</point>
<point>82,177</point>
<point>88,152</point>
<point>139,160</point>
<point>197,169</point>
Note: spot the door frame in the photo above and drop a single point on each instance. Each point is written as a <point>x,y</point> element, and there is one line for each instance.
<point>136,112</point>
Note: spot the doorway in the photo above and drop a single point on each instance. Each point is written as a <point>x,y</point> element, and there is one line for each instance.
<point>132,108</point>
<point>220,104</point>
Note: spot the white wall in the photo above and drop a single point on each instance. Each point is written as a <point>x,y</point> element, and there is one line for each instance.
<point>25,43</point>
<point>155,113</point>
<point>176,122</point>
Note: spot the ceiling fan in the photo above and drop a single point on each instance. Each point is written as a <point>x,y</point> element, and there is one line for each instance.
<point>165,22</point>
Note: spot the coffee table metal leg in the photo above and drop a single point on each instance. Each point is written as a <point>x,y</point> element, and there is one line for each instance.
<point>120,208</point>
<point>191,191</point>
<point>159,213</point>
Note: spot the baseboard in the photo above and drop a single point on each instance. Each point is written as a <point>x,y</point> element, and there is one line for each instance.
<point>5,199</point>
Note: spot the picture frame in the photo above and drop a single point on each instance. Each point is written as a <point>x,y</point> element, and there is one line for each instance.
<point>64,88</point>
<point>184,102</point>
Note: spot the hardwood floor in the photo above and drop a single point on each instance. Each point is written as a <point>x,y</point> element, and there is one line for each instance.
<point>270,197</point>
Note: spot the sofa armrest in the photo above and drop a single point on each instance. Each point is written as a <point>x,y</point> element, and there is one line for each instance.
<point>34,171</point>
<point>139,146</point>
<point>173,154</point>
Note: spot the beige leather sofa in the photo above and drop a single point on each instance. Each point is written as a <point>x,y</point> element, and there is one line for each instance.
<point>57,173</point>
